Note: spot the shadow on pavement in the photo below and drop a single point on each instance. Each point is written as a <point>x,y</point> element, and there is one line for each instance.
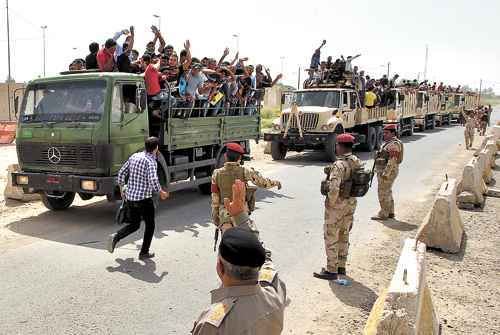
<point>355,295</point>
<point>458,257</point>
<point>399,225</point>
<point>144,272</point>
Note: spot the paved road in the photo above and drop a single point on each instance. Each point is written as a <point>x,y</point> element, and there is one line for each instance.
<point>60,280</point>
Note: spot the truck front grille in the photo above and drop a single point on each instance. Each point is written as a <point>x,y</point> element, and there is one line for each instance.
<point>70,155</point>
<point>308,121</point>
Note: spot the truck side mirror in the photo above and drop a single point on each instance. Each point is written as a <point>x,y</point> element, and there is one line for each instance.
<point>141,100</point>
<point>16,105</point>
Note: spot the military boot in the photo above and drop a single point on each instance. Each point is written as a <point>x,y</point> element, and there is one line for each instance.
<point>326,275</point>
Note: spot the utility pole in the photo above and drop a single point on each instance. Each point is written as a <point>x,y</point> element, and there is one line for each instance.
<point>44,54</point>
<point>8,60</point>
<point>282,58</point>
<point>388,69</point>
<point>480,88</point>
<point>298,80</point>
<point>426,59</point>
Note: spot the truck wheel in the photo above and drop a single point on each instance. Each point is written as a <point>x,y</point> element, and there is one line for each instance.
<point>58,204</point>
<point>412,128</point>
<point>379,131</point>
<point>278,150</point>
<point>86,196</point>
<point>330,147</point>
<point>205,189</point>
<point>432,123</point>
<point>371,139</point>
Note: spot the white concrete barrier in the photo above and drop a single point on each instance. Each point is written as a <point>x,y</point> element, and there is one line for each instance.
<point>14,192</point>
<point>483,144</point>
<point>484,161</point>
<point>472,188</point>
<point>406,306</point>
<point>495,131</point>
<point>442,228</point>
<point>492,149</point>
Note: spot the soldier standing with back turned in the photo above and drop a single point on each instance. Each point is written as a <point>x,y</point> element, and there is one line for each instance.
<point>387,163</point>
<point>339,209</point>
<point>223,180</point>
<point>469,129</point>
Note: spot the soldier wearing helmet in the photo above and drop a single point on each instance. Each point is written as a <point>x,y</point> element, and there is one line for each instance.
<point>224,178</point>
<point>339,209</point>
<point>387,162</point>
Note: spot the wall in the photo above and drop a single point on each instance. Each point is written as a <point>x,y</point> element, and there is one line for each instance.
<point>4,107</point>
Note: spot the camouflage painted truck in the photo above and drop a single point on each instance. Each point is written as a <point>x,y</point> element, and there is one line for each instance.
<point>443,116</point>
<point>456,105</point>
<point>312,118</point>
<point>76,130</point>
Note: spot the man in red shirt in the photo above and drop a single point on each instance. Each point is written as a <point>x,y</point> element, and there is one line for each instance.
<point>105,56</point>
<point>151,76</point>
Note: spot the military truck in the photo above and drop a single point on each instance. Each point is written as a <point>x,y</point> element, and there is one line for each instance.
<point>425,110</point>
<point>402,110</point>
<point>312,118</point>
<point>456,105</point>
<point>76,130</point>
<point>443,116</point>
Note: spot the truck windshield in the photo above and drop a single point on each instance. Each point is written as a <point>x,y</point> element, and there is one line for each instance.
<point>77,101</point>
<point>318,98</point>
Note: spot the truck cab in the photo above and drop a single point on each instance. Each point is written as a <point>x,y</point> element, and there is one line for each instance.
<point>76,130</point>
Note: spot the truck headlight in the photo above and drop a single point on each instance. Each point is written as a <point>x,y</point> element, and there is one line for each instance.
<point>22,180</point>
<point>89,185</point>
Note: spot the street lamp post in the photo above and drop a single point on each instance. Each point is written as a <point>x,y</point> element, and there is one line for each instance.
<point>237,42</point>
<point>44,55</point>
<point>159,20</point>
<point>8,59</point>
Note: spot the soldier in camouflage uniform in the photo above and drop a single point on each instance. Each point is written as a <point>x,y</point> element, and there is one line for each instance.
<point>469,129</point>
<point>251,299</point>
<point>339,210</point>
<point>387,163</point>
<point>224,178</point>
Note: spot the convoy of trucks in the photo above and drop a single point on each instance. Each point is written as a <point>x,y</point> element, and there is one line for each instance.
<point>311,118</point>
<point>76,130</point>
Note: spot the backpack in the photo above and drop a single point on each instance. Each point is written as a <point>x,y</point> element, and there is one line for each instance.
<point>355,187</point>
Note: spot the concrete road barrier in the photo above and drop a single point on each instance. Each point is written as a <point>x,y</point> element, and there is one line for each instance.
<point>442,228</point>
<point>484,161</point>
<point>406,306</point>
<point>14,192</point>
<point>483,144</point>
<point>492,149</point>
<point>495,131</point>
<point>473,188</point>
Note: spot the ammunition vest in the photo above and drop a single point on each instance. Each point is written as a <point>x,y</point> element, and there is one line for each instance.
<point>382,157</point>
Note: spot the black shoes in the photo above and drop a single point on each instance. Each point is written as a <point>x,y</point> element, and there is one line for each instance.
<point>112,242</point>
<point>146,256</point>
<point>326,275</point>
<point>341,271</point>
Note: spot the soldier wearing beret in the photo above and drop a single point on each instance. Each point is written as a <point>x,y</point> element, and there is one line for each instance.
<point>339,209</point>
<point>387,163</point>
<point>252,298</point>
<point>224,178</point>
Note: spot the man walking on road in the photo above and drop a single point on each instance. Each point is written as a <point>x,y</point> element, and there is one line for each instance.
<point>469,129</point>
<point>141,171</point>
<point>252,297</point>
<point>387,163</point>
<point>339,209</point>
<point>224,178</point>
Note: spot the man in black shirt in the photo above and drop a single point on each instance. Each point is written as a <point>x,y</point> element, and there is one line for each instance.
<point>91,60</point>
<point>123,61</point>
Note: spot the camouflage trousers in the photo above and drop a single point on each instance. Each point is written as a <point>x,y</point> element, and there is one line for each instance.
<point>469,138</point>
<point>338,223</point>
<point>385,198</point>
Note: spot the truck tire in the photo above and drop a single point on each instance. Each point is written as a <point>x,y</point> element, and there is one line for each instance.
<point>412,128</point>
<point>371,140</point>
<point>58,204</point>
<point>85,196</point>
<point>278,150</point>
<point>379,131</point>
<point>206,189</point>
<point>433,122</point>
<point>330,147</point>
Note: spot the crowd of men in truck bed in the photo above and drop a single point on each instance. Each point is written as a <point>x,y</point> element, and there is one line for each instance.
<point>373,92</point>
<point>213,86</point>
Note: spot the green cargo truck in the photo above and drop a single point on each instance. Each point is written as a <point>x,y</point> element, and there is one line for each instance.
<point>76,130</point>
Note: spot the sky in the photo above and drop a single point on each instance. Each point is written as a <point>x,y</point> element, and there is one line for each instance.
<point>462,36</point>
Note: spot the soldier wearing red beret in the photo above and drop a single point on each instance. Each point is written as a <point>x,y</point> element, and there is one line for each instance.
<point>387,163</point>
<point>339,209</point>
<point>224,178</point>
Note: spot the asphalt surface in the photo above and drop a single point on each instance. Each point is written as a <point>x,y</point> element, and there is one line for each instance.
<point>60,279</point>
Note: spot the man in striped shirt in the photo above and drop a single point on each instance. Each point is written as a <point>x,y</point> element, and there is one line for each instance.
<point>141,171</point>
